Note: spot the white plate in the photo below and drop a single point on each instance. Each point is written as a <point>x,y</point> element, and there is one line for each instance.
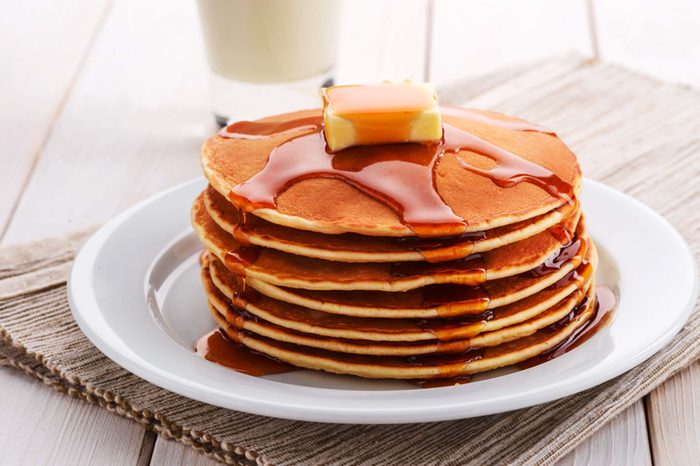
<point>135,292</point>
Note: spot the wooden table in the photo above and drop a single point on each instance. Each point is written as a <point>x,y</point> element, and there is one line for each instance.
<point>104,103</point>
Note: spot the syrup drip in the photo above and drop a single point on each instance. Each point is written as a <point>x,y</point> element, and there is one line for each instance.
<point>243,294</point>
<point>565,231</point>
<point>236,260</point>
<point>510,169</point>
<point>438,295</point>
<point>602,315</point>
<point>578,275</point>
<point>441,294</point>
<point>444,329</point>
<point>514,125</point>
<point>555,261</point>
<point>262,130</point>
<point>464,327</point>
<point>562,234</point>
<point>242,233</point>
<point>402,176</point>
<point>436,249</point>
<point>471,269</point>
<point>215,346</point>
<point>443,248</point>
<point>426,244</point>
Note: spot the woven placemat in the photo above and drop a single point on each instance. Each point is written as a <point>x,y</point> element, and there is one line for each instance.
<point>631,132</point>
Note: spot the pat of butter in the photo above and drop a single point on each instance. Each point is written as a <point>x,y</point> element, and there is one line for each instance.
<point>361,115</point>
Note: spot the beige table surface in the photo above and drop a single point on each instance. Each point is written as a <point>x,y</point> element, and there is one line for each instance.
<point>104,102</point>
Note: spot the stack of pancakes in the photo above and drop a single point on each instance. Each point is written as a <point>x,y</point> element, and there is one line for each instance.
<point>331,275</point>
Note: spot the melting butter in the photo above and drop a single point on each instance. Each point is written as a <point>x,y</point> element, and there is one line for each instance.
<point>360,115</point>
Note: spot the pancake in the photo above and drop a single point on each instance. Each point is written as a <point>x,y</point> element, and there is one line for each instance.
<point>422,366</point>
<point>342,342</point>
<point>307,320</point>
<point>286,322</point>
<point>351,247</point>
<point>283,269</point>
<point>444,300</point>
<point>514,166</point>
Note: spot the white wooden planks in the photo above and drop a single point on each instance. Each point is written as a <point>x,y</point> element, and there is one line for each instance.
<point>382,40</point>
<point>172,453</point>
<point>41,426</point>
<point>673,412</point>
<point>42,48</point>
<point>132,126</point>
<point>658,37</point>
<point>622,442</point>
<point>478,36</point>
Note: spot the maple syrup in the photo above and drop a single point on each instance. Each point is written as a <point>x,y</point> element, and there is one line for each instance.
<point>216,347</point>
<point>602,315</point>
<point>402,176</point>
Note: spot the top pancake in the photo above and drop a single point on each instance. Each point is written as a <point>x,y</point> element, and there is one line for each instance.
<point>331,205</point>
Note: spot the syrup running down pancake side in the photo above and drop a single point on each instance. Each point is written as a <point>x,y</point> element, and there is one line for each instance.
<point>603,315</point>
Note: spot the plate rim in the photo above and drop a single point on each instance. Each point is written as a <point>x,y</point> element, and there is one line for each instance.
<point>83,305</point>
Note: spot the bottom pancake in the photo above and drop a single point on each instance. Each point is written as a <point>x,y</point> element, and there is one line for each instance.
<point>419,367</point>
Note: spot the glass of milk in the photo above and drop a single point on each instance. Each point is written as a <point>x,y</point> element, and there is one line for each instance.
<point>268,56</point>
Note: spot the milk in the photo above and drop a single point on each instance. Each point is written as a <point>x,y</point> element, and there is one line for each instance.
<point>268,56</point>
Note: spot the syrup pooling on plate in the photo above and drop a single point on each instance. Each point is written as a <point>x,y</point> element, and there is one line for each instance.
<point>215,346</point>
<point>402,176</point>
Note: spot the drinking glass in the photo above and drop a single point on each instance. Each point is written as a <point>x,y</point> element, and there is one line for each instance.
<point>268,56</point>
